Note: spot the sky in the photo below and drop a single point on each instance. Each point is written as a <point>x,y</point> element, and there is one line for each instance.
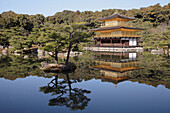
<point>50,7</point>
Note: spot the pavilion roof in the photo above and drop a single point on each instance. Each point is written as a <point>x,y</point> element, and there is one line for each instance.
<point>109,68</point>
<point>113,79</point>
<point>116,15</point>
<point>115,27</point>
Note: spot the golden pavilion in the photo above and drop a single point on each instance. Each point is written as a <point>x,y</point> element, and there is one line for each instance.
<point>116,31</point>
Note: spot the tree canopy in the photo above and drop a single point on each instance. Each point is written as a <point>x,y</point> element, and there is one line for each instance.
<point>24,31</point>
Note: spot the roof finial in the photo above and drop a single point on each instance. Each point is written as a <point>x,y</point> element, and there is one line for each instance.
<point>116,11</point>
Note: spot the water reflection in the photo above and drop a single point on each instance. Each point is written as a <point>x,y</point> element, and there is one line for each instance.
<point>112,67</point>
<point>65,88</point>
<point>116,67</point>
<point>73,98</point>
<point>156,70</point>
<point>13,67</point>
<point>143,68</point>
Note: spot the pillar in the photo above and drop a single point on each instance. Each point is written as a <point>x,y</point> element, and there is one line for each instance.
<point>100,42</point>
<point>121,42</point>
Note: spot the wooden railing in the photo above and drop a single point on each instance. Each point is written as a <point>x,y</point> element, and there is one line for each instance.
<point>112,44</point>
<point>115,45</point>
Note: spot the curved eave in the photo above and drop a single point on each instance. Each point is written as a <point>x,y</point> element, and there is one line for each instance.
<point>115,37</point>
<point>116,16</point>
<point>113,19</point>
<point>115,28</point>
<point>108,68</point>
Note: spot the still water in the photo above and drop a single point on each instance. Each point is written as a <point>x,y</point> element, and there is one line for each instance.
<point>101,83</point>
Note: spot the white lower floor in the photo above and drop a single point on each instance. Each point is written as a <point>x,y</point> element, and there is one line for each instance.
<point>112,49</point>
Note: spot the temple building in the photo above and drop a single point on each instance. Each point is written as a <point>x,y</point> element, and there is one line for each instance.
<point>116,32</point>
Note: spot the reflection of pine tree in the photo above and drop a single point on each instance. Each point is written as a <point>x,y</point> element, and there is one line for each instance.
<point>73,98</point>
<point>13,67</point>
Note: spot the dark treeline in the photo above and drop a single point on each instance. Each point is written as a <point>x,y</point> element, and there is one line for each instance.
<point>24,31</point>
<point>155,70</point>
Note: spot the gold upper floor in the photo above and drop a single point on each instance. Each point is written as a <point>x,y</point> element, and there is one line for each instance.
<point>116,23</point>
<point>117,34</point>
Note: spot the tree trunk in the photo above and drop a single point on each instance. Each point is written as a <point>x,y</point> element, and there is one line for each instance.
<point>56,80</point>
<point>56,56</point>
<point>68,54</point>
<point>69,83</point>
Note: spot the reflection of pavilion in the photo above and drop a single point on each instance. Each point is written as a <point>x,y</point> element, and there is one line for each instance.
<point>116,67</point>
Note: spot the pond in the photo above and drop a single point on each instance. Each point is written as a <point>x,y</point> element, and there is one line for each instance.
<point>102,83</point>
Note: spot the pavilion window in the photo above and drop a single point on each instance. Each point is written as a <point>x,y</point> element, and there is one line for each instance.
<point>115,41</point>
<point>121,23</point>
<point>106,41</point>
<point>116,33</point>
<point>134,33</point>
<point>112,33</point>
<point>108,23</point>
<point>115,23</point>
<point>106,57</point>
<point>129,33</point>
<point>124,32</point>
<point>105,34</point>
<point>119,33</point>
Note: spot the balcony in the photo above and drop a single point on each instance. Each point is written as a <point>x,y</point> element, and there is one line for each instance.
<point>118,35</point>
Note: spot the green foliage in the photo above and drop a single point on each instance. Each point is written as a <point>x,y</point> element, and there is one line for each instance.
<point>19,39</point>
<point>4,37</point>
<point>37,28</point>
<point>37,20</point>
<point>157,40</point>
<point>75,48</point>
<point>155,70</point>
<point>13,67</point>
<point>76,32</point>
<point>166,36</point>
<point>55,42</point>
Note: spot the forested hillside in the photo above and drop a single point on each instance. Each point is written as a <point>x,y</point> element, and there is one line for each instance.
<point>23,31</point>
